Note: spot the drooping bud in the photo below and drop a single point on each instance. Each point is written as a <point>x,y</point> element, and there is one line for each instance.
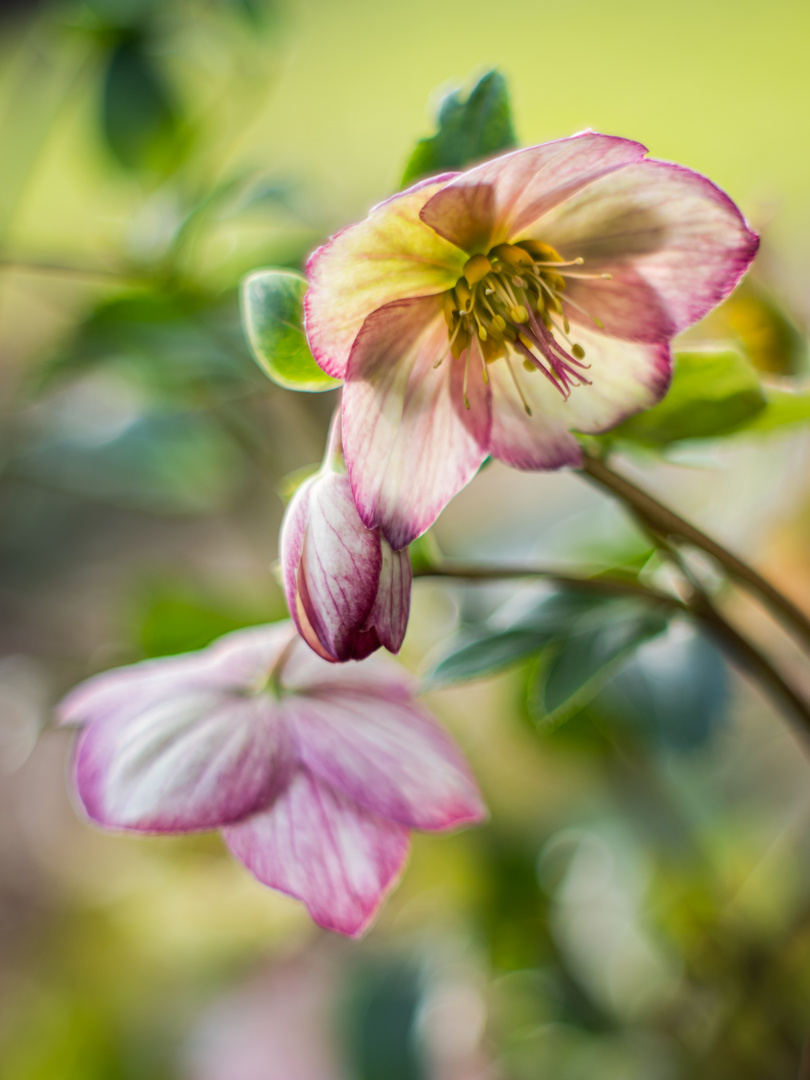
<point>347,590</point>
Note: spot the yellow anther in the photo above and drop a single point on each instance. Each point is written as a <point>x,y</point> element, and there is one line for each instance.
<point>578,261</point>
<point>578,352</point>
<point>542,252</point>
<point>463,296</point>
<point>482,333</point>
<point>598,322</point>
<point>557,281</point>
<point>566,325</point>
<point>528,365</point>
<point>499,323</point>
<point>519,314</point>
<point>527,342</point>
<point>476,268</point>
<point>514,256</point>
<point>606,277</point>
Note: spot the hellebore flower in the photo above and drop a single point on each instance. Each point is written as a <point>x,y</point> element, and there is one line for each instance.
<point>499,310</point>
<point>347,590</point>
<point>314,773</point>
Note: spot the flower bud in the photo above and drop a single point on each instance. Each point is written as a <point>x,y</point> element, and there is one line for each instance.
<point>348,591</point>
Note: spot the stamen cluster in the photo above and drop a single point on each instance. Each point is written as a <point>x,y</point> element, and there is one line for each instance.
<point>510,302</point>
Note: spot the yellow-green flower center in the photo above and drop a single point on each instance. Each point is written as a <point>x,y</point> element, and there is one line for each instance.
<point>510,302</point>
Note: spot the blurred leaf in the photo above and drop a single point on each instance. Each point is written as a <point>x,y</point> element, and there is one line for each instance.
<point>379,1022</point>
<point>470,130</point>
<point>712,393</point>
<point>161,462</point>
<point>177,339</point>
<point>674,691</point>
<point>583,659</point>
<point>140,122</point>
<point>273,322</point>
<point>479,651</point>
<point>767,333</point>
<point>784,408</point>
<point>289,484</point>
<point>174,616</point>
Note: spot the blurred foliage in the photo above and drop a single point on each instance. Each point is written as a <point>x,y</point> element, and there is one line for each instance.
<point>471,129</point>
<point>639,906</point>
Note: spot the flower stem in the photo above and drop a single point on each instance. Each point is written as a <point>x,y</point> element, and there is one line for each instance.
<point>666,522</point>
<point>743,653</point>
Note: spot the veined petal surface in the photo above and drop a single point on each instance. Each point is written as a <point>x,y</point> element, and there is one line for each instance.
<point>389,616</point>
<point>389,757</point>
<point>496,201</point>
<point>658,228</point>
<point>408,449</point>
<point>390,255</point>
<point>319,846</point>
<point>191,761</point>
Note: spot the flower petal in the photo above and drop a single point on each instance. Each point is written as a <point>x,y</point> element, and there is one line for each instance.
<point>408,450</point>
<point>190,762</point>
<point>319,846</point>
<point>389,616</point>
<point>495,201</point>
<point>338,573</point>
<point>389,756</point>
<point>626,377</point>
<point>237,660</point>
<point>389,256</point>
<point>657,228</point>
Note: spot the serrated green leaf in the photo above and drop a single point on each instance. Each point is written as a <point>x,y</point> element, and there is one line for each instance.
<point>273,321</point>
<point>712,394</point>
<point>470,130</point>
<point>584,659</point>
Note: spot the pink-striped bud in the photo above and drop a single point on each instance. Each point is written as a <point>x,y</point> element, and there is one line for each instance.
<point>348,591</point>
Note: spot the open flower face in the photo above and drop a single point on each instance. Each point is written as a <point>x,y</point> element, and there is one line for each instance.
<point>314,772</point>
<point>501,310</point>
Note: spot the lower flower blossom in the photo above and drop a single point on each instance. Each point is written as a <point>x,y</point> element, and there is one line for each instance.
<point>314,772</point>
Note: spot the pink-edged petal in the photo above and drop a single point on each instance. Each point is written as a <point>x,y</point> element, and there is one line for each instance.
<point>389,616</point>
<point>661,230</point>
<point>495,201</point>
<point>319,846</point>
<point>389,756</point>
<point>389,256</point>
<point>625,376</point>
<point>239,659</point>
<point>332,566</point>
<point>190,762</point>
<point>408,450</point>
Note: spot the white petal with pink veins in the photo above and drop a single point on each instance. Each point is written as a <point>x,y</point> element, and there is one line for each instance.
<point>409,447</point>
<point>193,761</point>
<point>390,757</point>
<point>321,847</point>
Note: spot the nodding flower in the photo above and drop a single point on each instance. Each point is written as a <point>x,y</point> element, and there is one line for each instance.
<point>501,311</point>
<point>315,773</point>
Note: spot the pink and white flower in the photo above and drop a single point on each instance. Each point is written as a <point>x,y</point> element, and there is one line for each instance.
<point>501,310</point>
<point>314,772</point>
<point>347,590</point>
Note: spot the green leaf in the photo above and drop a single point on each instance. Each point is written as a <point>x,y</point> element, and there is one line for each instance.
<point>469,130</point>
<point>673,693</point>
<point>784,408</point>
<point>492,646</point>
<point>712,393</point>
<point>584,659</point>
<point>139,118</point>
<point>272,318</point>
